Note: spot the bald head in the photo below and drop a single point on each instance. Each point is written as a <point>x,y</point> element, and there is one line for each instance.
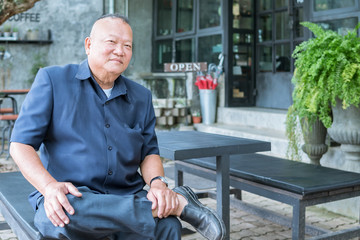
<point>110,16</point>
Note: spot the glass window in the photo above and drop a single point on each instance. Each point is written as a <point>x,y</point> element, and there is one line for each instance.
<point>283,58</point>
<point>210,13</point>
<point>265,59</point>
<point>342,26</point>
<point>209,49</point>
<point>242,12</point>
<point>163,53</point>
<point>281,3</point>
<point>282,25</point>
<point>299,29</point>
<point>164,12</point>
<point>239,38</point>
<point>322,5</point>
<point>265,5</point>
<point>185,50</point>
<point>184,13</point>
<point>265,28</point>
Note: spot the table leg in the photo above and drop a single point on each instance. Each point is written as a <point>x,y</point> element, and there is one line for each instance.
<point>298,221</point>
<point>223,190</point>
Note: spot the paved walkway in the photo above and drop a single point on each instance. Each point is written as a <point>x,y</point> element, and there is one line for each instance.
<point>244,226</point>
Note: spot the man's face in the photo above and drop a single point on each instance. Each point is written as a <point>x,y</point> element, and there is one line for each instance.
<point>109,47</point>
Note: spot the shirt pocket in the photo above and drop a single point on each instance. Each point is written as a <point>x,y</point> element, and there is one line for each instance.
<point>132,141</point>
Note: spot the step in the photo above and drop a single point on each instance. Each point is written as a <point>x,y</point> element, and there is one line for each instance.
<point>252,122</point>
<point>278,139</point>
<point>253,117</point>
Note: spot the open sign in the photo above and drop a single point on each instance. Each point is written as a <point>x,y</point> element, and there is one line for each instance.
<point>185,67</point>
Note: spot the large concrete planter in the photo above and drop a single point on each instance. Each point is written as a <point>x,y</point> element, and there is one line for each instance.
<point>346,131</point>
<point>314,138</point>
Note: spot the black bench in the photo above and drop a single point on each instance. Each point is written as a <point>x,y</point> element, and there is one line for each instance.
<point>17,211</point>
<point>297,184</point>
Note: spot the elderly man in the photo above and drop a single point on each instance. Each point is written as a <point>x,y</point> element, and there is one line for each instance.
<point>95,129</point>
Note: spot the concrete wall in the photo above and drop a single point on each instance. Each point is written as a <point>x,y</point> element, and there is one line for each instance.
<point>140,17</point>
<point>274,90</point>
<point>69,21</point>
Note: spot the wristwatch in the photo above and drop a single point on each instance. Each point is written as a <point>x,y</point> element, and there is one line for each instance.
<point>161,178</point>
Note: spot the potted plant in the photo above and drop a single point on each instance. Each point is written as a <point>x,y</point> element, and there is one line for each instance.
<point>327,68</point>
<point>7,31</point>
<point>196,116</point>
<point>15,33</point>
<point>32,34</point>
<point>2,52</point>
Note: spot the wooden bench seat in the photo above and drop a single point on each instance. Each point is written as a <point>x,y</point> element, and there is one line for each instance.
<point>294,183</point>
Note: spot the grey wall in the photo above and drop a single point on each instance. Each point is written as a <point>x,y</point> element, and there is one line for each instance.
<point>274,90</point>
<point>140,16</point>
<point>70,22</point>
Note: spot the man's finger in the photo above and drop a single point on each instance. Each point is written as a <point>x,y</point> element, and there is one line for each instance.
<point>152,198</point>
<point>73,190</point>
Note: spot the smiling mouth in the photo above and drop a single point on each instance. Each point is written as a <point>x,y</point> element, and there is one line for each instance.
<point>117,60</point>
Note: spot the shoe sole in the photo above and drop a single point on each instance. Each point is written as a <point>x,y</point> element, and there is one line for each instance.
<point>196,200</point>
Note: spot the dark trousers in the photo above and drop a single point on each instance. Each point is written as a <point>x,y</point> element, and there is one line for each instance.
<point>101,216</point>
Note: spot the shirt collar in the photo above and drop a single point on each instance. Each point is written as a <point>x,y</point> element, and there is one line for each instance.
<point>119,88</point>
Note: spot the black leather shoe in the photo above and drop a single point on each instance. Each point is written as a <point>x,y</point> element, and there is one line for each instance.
<point>203,219</point>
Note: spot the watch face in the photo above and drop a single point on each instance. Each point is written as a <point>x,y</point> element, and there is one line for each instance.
<point>164,180</point>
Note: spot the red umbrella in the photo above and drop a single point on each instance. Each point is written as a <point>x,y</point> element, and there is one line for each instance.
<point>201,81</point>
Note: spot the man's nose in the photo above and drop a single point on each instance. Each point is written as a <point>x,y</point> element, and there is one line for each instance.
<point>119,49</point>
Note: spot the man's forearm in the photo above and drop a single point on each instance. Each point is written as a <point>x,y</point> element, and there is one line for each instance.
<point>151,167</point>
<point>30,165</point>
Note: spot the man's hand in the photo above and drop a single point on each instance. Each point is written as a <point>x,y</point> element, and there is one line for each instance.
<point>55,202</point>
<point>163,199</point>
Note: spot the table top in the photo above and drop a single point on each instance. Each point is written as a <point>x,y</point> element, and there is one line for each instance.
<point>14,91</point>
<point>180,145</point>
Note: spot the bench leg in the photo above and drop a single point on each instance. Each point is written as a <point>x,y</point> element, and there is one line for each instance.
<point>237,193</point>
<point>298,221</point>
<point>179,177</point>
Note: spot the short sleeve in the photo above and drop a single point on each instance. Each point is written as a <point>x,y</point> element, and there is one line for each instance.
<point>150,139</point>
<point>35,114</point>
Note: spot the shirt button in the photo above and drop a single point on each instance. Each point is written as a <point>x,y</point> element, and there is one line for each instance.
<point>110,172</point>
<point>107,125</point>
<point>110,148</point>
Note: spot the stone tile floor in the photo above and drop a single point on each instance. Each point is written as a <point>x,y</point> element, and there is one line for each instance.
<point>244,226</point>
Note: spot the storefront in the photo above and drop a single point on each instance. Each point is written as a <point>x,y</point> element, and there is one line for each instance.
<point>257,38</point>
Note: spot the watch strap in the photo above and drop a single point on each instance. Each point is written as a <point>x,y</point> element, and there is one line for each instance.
<point>161,178</point>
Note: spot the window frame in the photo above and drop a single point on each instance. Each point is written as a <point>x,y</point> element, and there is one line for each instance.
<point>174,36</point>
<point>332,12</point>
<point>273,43</point>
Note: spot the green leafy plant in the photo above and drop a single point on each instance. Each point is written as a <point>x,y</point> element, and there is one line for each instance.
<point>7,28</point>
<point>39,61</point>
<point>327,67</point>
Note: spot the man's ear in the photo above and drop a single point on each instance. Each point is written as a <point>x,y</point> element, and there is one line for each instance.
<point>87,45</point>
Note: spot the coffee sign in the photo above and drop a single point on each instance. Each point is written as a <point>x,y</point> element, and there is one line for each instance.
<point>185,67</point>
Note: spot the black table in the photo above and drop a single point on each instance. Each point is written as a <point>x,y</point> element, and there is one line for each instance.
<point>182,145</point>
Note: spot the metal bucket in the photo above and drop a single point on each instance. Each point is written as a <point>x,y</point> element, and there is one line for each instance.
<point>208,105</point>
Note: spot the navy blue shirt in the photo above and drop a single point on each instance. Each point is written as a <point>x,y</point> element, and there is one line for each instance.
<point>83,136</point>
